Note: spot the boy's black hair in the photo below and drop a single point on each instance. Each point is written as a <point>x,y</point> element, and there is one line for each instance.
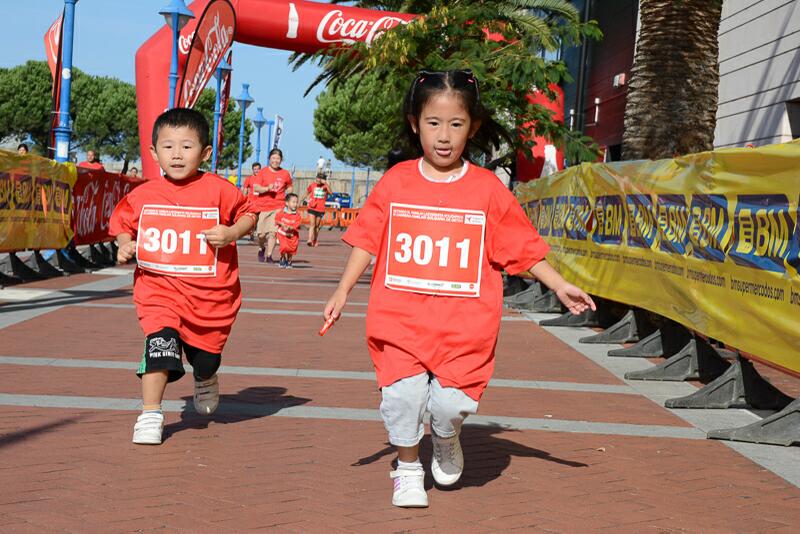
<point>177,117</point>
<point>290,195</point>
<point>462,83</point>
<point>256,163</point>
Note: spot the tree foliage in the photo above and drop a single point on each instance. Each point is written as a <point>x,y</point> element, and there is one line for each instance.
<point>356,122</point>
<point>503,42</point>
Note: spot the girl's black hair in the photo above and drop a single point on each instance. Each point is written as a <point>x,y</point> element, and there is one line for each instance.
<point>277,151</point>
<point>463,83</point>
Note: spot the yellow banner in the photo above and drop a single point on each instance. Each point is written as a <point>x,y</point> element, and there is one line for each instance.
<point>710,240</point>
<point>35,202</point>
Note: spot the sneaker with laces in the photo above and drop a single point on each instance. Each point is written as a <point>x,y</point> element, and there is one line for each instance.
<point>206,395</point>
<point>289,265</point>
<point>148,428</point>
<point>448,460</point>
<point>270,260</point>
<point>262,255</point>
<point>409,488</point>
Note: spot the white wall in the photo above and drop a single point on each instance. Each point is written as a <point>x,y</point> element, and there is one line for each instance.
<point>759,64</point>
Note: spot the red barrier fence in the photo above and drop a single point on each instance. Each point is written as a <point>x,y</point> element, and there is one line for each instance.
<point>95,195</point>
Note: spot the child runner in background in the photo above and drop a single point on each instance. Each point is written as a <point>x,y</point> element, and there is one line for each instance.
<point>288,222</point>
<point>187,293</point>
<point>442,229</point>
<point>316,194</point>
<point>272,184</point>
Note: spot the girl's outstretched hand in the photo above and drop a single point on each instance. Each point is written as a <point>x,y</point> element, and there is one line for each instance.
<point>335,305</point>
<point>574,298</point>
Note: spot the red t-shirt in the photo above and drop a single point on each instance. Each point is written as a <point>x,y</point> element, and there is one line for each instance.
<point>289,239</point>
<point>458,345</point>
<point>282,180</point>
<point>202,310</point>
<point>97,166</point>
<point>316,196</point>
<point>257,200</point>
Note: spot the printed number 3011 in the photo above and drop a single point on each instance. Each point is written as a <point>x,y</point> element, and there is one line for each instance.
<point>421,250</point>
<point>168,241</point>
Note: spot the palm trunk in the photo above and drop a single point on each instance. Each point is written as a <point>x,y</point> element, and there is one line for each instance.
<point>672,97</point>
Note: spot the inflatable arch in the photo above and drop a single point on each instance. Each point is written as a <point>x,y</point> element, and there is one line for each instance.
<point>299,26</point>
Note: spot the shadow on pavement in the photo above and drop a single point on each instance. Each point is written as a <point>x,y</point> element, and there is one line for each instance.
<point>13,438</point>
<point>486,455</point>
<point>67,297</point>
<point>249,403</point>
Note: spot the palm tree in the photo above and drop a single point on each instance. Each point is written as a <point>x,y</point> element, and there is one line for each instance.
<point>672,96</point>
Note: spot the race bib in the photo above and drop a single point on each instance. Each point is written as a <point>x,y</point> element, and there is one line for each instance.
<point>319,192</point>
<point>170,240</point>
<point>435,251</point>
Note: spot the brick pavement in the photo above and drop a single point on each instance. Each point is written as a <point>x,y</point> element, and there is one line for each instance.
<point>75,470</point>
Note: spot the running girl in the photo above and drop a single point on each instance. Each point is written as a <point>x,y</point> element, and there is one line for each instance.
<point>442,230</point>
<point>316,194</point>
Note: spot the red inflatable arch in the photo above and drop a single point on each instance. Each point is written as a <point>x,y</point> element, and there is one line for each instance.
<point>299,26</point>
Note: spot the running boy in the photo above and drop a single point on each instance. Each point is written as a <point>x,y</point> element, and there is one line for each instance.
<point>316,194</point>
<point>288,222</point>
<point>187,293</point>
<point>442,229</point>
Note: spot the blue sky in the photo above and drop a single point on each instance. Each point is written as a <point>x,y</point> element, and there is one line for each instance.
<point>108,33</point>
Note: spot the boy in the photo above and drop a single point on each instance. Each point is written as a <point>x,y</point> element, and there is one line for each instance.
<point>288,222</point>
<point>187,293</point>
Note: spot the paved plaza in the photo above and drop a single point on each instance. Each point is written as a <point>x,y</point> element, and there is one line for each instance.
<point>561,442</point>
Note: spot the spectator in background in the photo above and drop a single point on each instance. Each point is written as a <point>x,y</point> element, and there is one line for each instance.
<point>92,161</point>
<point>133,172</point>
<point>22,149</point>
<point>328,169</point>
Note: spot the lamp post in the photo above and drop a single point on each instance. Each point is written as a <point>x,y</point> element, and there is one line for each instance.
<point>270,124</point>
<point>223,68</point>
<point>63,130</point>
<point>244,100</point>
<point>177,16</point>
<point>259,121</point>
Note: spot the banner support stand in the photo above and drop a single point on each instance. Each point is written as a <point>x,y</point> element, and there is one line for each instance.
<point>22,271</point>
<point>66,264</point>
<point>628,330</point>
<point>741,386</point>
<point>524,297</point>
<point>698,360</point>
<point>43,267</point>
<point>782,428</point>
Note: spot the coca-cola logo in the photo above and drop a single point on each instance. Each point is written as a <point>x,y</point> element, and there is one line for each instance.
<point>185,42</point>
<point>215,44</point>
<point>335,28</point>
<point>86,209</point>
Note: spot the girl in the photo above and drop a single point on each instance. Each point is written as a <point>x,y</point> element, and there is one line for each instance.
<point>442,230</point>
<point>316,194</point>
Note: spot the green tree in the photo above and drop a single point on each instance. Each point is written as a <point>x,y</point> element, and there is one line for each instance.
<point>105,118</point>
<point>229,153</point>
<point>356,122</point>
<point>26,102</point>
<point>671,106</point>
<point>453,35</point>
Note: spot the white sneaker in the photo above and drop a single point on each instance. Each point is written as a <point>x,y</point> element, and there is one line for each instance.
<point>409,488</point>
<point>206,395</point>
<point>148,428</point>
<point>448,460</point>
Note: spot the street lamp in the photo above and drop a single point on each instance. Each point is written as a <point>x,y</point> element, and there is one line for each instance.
<point>63,131</point>
<point>244,100</point>
<point>259,121</point>
<point>223,68</point>
<point>177,16</point>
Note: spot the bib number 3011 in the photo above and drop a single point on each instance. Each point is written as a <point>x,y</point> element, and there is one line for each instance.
<point>171,241</point>
<point>437,251</point>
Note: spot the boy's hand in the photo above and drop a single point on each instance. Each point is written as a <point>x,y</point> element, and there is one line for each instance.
<point>574,298</point>
<point>335,305</point>
<point>219,236</point>
<point>126,252</point>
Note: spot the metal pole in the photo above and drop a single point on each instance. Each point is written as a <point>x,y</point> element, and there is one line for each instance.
<point>353,188</point>
<point>173,68</point>
<point>217,113</point>
<point>241,148</point>
<point>258,142</point>
<point>63,130</point>
<point>367,194</point>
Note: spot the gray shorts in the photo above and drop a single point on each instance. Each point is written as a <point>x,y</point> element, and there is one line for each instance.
<point>405,402</point>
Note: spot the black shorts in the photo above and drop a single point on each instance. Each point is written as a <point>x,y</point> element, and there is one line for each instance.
<point>316,213</point>
<point>162,351</point>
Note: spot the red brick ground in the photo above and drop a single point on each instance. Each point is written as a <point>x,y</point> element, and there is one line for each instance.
<point>76,470</point>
